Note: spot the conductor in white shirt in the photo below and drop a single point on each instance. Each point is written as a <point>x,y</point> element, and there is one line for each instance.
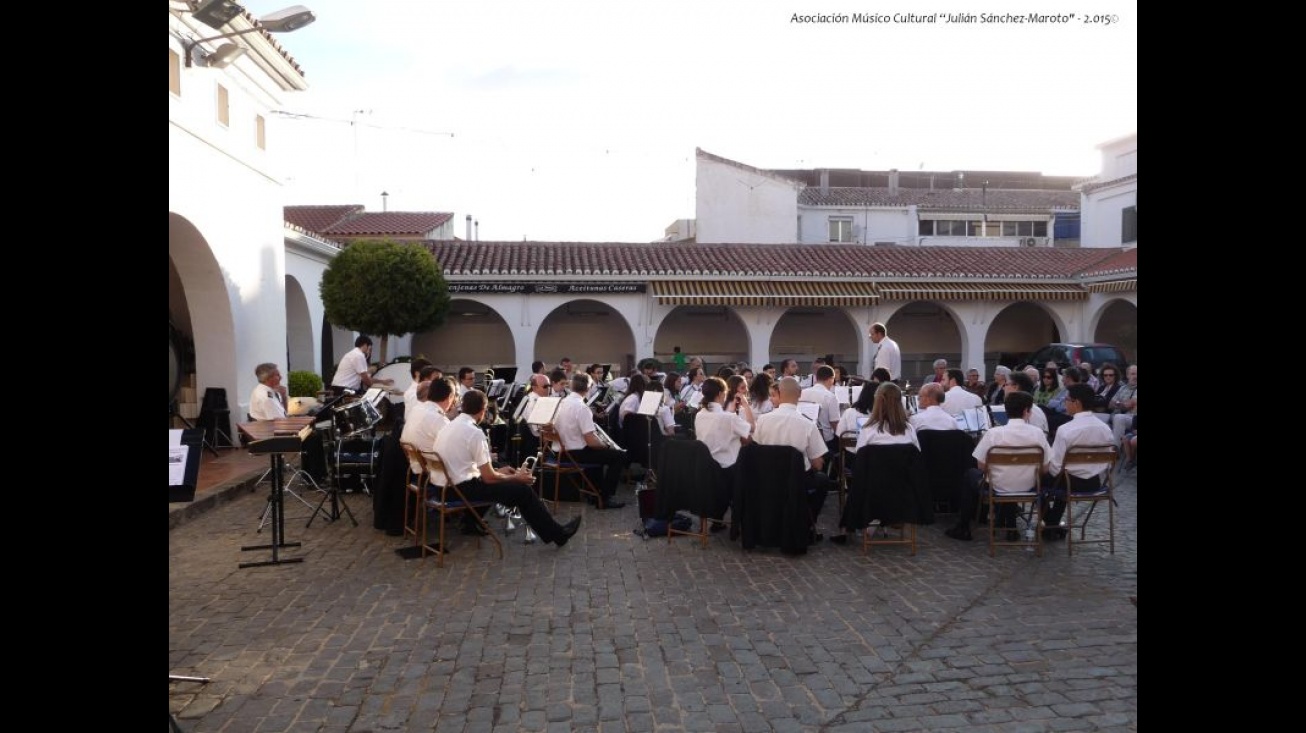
<point>887,355</point>
<point>930,415</point>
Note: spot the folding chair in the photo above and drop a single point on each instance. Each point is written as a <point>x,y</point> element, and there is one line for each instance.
<point>414,491</point>
<point>559,463</point>
<point>1013,456</point>
<point>691,480</point>
<point>444,499</point>
<point>847,441</point>
<point>890,487</point>
<point>1085,455</point>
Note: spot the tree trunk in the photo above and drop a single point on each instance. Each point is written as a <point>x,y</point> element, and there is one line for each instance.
<point>385,346</point>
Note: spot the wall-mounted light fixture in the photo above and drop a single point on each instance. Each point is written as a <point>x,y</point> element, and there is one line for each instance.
<point>217,13</point>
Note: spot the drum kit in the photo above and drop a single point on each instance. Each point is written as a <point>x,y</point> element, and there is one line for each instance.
<point>352,448</point>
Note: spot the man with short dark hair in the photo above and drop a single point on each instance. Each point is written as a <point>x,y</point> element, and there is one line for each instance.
<point>466,380</point>
<point>887,354</point>
<point>578,433</point>
<point>353,373</point>
<point>558,381</point>
<point>1022,382</point>
<point>1082,430</point>
<point>465,453</point>
<point>415,367</point>
<point>958,399</point>
<point>827,416</point>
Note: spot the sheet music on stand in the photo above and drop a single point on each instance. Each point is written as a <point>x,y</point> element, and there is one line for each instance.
<point>695,399</point>
<point>650,403</point>
<point>809,410</point>
<point>524,407</point>
<point>544,410</point>
<point>973,420</point>
<point>999,414</point>
<point>842,394</point>
<point>495,389</point>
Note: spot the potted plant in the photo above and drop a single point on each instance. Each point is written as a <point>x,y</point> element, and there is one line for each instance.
<point>303,388</point>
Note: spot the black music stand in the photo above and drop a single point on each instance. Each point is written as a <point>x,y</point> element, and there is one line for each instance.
<point>275,504</point>
<point>193,439</point>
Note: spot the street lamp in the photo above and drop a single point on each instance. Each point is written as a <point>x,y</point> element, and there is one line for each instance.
<point>217,13</point>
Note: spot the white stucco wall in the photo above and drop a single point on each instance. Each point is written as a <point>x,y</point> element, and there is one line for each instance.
<point>870,225</point>
<point>735,204</point>
<point>1100,209</point>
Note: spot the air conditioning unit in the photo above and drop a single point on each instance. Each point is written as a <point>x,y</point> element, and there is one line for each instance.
<point>1028,241</point>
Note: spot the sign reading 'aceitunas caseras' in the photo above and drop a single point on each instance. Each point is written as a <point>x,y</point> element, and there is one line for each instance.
<point>547,288</point>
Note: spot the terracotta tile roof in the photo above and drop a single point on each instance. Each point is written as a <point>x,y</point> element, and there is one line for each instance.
<point>405,223</point>
<point>319,218</point>
<point>1121,262</point>
<point>1094,184</point>
<point>969,199</point>
<point>467,260</point>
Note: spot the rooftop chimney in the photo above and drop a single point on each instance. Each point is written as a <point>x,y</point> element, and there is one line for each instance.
<point>478,230</point>
<point>469,227</point>
<point>893,181</point>
<point>385,198</point>
<point>825,182</point>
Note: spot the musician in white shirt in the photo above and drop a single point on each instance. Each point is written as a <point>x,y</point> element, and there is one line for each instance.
<point>786,426</point>
<point>353,372</point>
<point>465,452</point>
<point>268,400</point>
<point>579,435</point>
<point>888,424</point>
<point>827,416</point>
<point>930,415</point>
<point>1022,382</point>
<point>723,427</point>
<point>423,373</point>
<point>422,426</point>
<point>958,398</point>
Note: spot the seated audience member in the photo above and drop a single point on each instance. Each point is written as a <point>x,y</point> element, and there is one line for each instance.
<point>958,398</point>
<point>994,394</point>
<point>1089,377</point>
<point>786,426</point>
<point>1106,391</point>
<point>1130,447</point>
<point>268,400</point>
<point>888,423</point>
<point>974,385</point>
<point>930,415</point>
<point>1071,377</point>
<point>1017,433</point>
<point>466,456</point>
<point>1082,430</point>
<point>1049,386</point>
<point>1124,405</point>
<point>940,375</point>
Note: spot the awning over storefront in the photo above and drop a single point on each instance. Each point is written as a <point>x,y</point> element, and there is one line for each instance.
<point>766,293</point>
<point>942,290</point>
<point>1115,286</point>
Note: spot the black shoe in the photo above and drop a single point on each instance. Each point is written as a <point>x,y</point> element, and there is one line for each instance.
<point>959,533</point>
<point>1052,534</point>
<point>817,537</point>
<point>839,539</point>
<point>1013,536</point>
<point>612,504</point>
<point>568,530</point>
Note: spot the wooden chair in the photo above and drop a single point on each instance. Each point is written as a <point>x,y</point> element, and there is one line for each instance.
<point>444,499</point>
<point>560,463</point>
<point>414,492</point>
<point>1031,456</point>
<point>1087,455</point>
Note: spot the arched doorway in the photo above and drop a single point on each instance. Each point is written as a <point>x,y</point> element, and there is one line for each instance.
<point>1118,325</point>
<point>587,332</point>
<point>473,334</point>
<point>1016,333</point>
<point>200,310</point>
<point>925,330</point>
<point>715,334</point>
<point>805,333</point>
<point>299,329</point>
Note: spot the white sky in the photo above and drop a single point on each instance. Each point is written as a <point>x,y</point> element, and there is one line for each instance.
<point>577,120</point>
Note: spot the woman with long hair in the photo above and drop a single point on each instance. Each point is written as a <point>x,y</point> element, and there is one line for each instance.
<point>635,393</point>
<point>1049,386</point>
<point>859,413</point>
<point>759,394</point>
<point>887,423</point>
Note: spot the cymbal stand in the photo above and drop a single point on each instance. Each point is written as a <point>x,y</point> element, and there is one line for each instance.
<point>333,492</point>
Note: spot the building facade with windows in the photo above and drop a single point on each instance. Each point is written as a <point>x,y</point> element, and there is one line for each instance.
<point>1110,199</point>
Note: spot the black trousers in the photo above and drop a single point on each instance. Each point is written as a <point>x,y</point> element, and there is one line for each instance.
<point>818,486</point>
<point>1054,507</point>
<point>613,462</point>
<point>517,496</point>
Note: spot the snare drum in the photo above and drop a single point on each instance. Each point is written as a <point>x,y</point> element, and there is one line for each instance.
<point>356,463</point>
<point>354,418</point>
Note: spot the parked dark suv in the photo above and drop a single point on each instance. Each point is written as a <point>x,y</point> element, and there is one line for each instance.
<point>1066,355</point>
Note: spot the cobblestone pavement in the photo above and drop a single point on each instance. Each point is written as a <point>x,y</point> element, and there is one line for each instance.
<point>618,633</point>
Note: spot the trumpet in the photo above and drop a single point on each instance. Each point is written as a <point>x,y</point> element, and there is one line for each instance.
<point>607,440</point>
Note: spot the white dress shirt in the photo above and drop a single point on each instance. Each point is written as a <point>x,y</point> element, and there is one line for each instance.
<point>786,426</point>
<point>871,434</point>
<point>463,448</point>
<point>410,397</point>
<point>958,399</point>
<point>890,357</point>
<point>829,408</point>
<point>1015,434</point>
<point>933,418</point>
<point>423,427</point>
<point>349,373</point>
<point>573,421</point>
<point>722,432</point>
<point>265,404</point>
<point>1082,430</point>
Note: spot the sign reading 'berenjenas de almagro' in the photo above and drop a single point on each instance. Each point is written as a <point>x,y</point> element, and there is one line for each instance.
<point>548,288</point>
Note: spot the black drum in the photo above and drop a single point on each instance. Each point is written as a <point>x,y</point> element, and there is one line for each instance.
<point>354,418</point>
<point>356,462</point>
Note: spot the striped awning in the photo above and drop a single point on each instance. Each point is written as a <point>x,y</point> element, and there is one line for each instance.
<point>817,294</point>
<point>1114,286</point>
<point>943,290</point>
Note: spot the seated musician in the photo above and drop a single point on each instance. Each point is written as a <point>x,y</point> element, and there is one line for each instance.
<point>466,379</point>
<point>930,415</point>
<point>664,417</point>
<point>1083,430</point>
<point>353,372</point>
<point>1006,479</point>
<point>415,367</point>
<point>268,400</point>
<point>958,399</point>
<point>786,426</point>
<point>423,425</point>
<point>558,379</point>
<point>578,433</point>
<point>827,415</point>
<point>724,428</point>
<point>530,436</point>
<point>466,455</point>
